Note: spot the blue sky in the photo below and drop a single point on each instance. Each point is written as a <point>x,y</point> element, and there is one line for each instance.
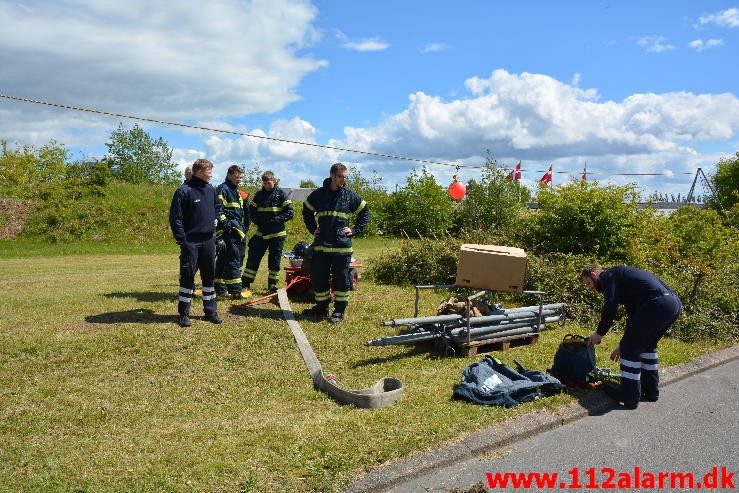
<point>626,86</point>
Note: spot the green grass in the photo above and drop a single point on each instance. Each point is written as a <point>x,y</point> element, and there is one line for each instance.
<point>100,390</point>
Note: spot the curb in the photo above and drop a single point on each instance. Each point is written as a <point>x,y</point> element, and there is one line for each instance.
<point>496,436</point>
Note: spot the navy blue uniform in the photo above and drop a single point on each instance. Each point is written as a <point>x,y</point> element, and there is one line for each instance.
<point>269,211</point>
<point>651,308</point>
<point>192,214</point>
<point>330,212</point>
<point>232,227</point>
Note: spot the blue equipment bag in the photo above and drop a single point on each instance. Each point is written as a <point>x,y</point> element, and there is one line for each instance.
<point>573,361</point>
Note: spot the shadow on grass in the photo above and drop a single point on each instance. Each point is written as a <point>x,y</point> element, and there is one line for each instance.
<point>136,316</point>
<point>145,296</point>
<point>417,350</point>
<point>266,310</point>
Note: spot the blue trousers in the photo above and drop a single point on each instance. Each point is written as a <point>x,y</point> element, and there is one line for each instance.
<point>258,246</point>
<point>228,264</point>
<point>196,256</point>
<point>328,267</point>
<point>639,359</point>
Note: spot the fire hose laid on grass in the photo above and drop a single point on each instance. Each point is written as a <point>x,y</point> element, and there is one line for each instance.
<point>383,393</point>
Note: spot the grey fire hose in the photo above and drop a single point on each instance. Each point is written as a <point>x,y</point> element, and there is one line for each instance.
<point>385,392</point>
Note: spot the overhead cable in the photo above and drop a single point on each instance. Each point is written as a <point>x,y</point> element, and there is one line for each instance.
<point>311,144</point>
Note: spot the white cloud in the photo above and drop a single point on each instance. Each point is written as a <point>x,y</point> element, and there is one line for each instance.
<point>654,44</point>
<point>700,45</point>
<point>539,119</point>
<point>726,18</point>
<point>530,117</point>
<point>183,61</point>
<point>373,44</point>
<point>434,47</point>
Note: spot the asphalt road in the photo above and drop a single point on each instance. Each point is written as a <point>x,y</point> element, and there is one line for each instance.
<point>692,429</point>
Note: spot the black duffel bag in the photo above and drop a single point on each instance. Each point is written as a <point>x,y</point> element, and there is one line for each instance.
<point>573,361</point>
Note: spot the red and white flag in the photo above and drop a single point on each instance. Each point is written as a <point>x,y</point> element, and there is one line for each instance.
<point>515,174</point>
<point>547,178</point>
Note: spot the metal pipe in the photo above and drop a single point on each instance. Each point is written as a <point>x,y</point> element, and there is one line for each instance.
<point>432,286</point>
<point>460,333</point>
<point>404,339</point>
<point>506,333</point>
<point>550,306</point>
<point>498,331</point>
<point>422,320</point>
<point>510,316</point>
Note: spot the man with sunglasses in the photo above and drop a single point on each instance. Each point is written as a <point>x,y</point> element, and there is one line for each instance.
<point>326,214</point>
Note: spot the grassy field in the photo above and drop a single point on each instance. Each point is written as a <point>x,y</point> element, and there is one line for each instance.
<point>100,390</point>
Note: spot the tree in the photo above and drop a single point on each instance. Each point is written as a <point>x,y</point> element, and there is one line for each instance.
<point>372,191</point>
<point>135,157</point>
<point>307,184</point>
<point>421,205</point>
<point>726,184</point>
<point>494,202</point>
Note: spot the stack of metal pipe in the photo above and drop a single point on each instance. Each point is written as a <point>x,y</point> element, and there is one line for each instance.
<point>457,329</point>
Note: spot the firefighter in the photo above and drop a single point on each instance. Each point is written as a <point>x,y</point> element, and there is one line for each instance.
<point>326,213</point>
<point>193,217</point>
<point>651,308</point>
<point>232,229</point>
<point>269,210</point>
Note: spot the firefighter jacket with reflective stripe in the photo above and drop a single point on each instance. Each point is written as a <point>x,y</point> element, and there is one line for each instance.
<point>330,212</point>
<point>194,208</point>
<point>270,211</point>
<point>234,218</point>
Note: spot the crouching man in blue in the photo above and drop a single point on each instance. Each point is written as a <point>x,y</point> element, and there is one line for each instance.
<point>326,214</point>
<point>193,216</point>
<point>651,308</point>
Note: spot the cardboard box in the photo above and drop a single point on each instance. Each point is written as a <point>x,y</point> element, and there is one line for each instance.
<point>496,268</point>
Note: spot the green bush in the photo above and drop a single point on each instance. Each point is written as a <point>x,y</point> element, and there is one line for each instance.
<point>585,219</point>
<point>417,262</point>
<point>494,203</point>
<point>29,164</point>
<point>422,205</point>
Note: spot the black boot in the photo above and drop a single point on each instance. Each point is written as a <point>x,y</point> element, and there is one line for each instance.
<point>616,394</point>
<point>316,311</point>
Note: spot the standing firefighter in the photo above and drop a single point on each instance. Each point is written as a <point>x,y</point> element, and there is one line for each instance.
<point>651,308</point>
<point>326,213</point>
<point>270,209</point>
<point>232,230</point>
<point>193,217</point>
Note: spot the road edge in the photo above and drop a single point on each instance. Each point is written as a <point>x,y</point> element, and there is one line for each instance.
<point>496,436</point>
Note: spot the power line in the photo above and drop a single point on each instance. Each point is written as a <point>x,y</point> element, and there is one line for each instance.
<point>310,144</point>
<point>232,132</point>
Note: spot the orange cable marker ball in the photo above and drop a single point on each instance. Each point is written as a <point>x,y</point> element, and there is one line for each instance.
<point>457,189</point>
